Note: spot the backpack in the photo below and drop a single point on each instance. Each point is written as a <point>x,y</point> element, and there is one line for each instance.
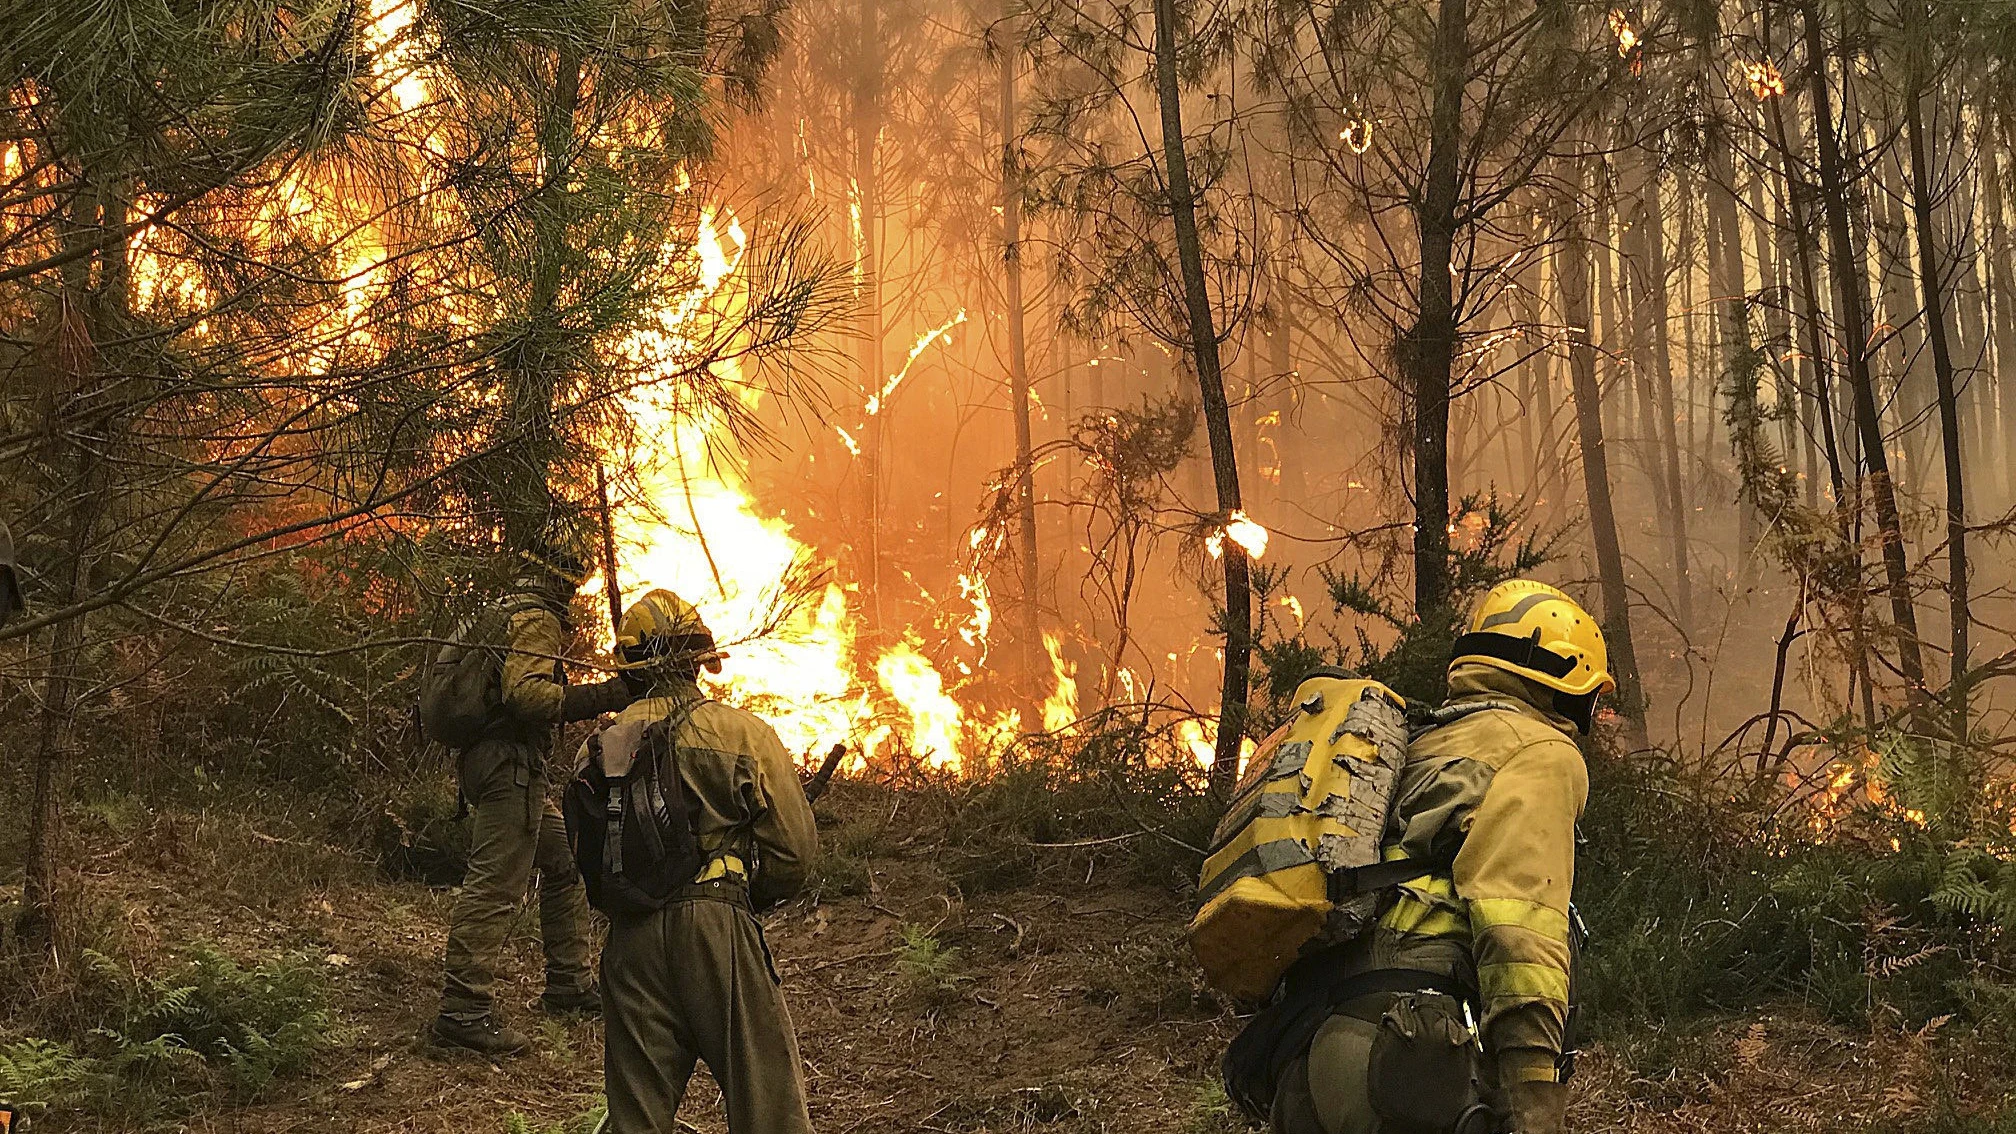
<point>1294,865</point>
<point>629,821</point>
<point>461,689</point>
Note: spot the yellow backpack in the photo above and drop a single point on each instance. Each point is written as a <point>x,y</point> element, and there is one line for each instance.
<point>1296,861</point>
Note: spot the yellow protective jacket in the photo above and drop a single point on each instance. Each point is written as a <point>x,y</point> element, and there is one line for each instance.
<point>1495,794</point>
<point>751,812</point>
<point>533,691</point>
<point>534,687</point>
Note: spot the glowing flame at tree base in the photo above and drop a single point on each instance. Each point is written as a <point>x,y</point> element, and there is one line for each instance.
<point>773,601</point>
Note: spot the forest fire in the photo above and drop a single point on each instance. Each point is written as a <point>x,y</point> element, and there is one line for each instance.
<point>1053,411</point>
<point>772,597</point>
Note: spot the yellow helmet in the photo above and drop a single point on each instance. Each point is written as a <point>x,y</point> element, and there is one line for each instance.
<point>550,563</point>
<point>1538,632</point>
<point>660,628</point>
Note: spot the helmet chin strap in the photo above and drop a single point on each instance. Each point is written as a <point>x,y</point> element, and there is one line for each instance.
<point>1581,710</point>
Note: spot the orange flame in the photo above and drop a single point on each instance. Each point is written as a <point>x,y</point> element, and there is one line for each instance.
<point>1060,709</point>
<point>793,657</point>
<point>1240,529</point>
<point>1764,79</point>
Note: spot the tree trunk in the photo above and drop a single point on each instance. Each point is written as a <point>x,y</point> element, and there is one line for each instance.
<point>1853,315</point>
<point>1217,415</point>
<point>1777,330</point>
<point>2002,311</point>
<point>1730,301</point>
<point>1526,309</point>
<point>1608,335</point>
<point>1031,630</point>
<point>1649,231</point>
<point>1576,264</point>
<point>1428,351</point>
<point>1634,297</point>
<point>1922,209</point>
<point>1546,467</point>
<point>1806,282</point>
<point>535,366</point>
<point>868,195</point>
<point>104,312</point>
<point>1294,488</point>
<point>55,741</point>
<point>1890,234</point>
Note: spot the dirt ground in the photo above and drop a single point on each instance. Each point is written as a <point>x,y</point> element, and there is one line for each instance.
<point>1067,1006</point>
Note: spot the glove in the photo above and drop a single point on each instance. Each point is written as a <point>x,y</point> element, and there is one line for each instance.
<point>584,701</point>
<point>1535,1107</point>
<point>637,681</point>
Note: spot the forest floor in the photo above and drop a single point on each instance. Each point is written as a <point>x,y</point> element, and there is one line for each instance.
<point>1064,1005</point>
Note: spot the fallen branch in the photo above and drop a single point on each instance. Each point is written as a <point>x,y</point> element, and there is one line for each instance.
<point>816,786</point>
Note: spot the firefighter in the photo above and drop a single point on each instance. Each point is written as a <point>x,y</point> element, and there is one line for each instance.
<point>694,980</point>
<point>514,828</point>
<point>1488,802</point>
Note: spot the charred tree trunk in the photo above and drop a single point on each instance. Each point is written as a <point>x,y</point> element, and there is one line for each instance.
<point>1576,264</point>
<point>1922,210</point>
<point>1203,335</point>
<point>1031,630</point>
<point>1428,351</point>
<point>1853,316</point>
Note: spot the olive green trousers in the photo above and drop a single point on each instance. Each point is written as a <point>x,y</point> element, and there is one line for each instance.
<point>694,982</point>
<point>514,829</point>
<point>1325,1091</point>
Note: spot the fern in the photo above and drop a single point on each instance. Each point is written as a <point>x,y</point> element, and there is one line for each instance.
<point>929,965</point>
<point>1964,890</point>
<point>45,1072</point>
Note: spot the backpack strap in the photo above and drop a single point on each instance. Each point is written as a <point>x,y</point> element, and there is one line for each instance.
<point>1375,877</point>
<point>1421,720</point>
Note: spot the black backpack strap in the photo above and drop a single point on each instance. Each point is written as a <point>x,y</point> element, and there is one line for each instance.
<point>1374,877</point>
<point>673,801</point>
<point>612,835</point>
<point>648,794</point>
<point>1571,1029</point>
<point>1395,982</point>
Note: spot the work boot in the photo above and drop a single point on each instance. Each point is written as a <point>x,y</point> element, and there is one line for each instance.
<point>578,1002</point>
<point>485,1036</point>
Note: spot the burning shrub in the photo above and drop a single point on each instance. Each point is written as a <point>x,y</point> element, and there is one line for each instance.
<point>1125,789</point>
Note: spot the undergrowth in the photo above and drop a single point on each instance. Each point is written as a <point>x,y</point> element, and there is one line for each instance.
<point>1696,906</point>
<point>150,1046</point>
